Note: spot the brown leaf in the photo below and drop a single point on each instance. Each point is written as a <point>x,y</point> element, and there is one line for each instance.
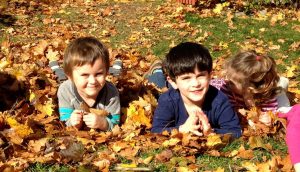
<point>245,154</point>
<point>164,156</point>
<point>256,142</point>
<point>73,152</point>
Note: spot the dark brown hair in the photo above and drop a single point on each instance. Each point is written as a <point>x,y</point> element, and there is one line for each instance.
<point>185,57</point>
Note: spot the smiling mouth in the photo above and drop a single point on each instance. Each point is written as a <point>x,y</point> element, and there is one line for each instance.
<point>92,87</point>
<point>198,90</point>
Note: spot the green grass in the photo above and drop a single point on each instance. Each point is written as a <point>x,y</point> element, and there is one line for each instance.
<point>38,167</point>
<point>160,39</point>
<point>247,29</point>
<point>207,162</point>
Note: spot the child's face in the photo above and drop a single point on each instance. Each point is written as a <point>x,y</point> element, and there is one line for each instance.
<point>192,86</point>
<point>89,79</point>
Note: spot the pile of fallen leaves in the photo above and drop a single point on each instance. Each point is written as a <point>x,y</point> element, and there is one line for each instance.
<point>30,130</point>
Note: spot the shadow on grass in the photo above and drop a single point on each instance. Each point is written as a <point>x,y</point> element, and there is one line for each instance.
<point>7,20</point>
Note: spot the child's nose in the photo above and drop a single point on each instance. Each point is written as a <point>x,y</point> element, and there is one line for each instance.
<point>92,79</point>
<point>195,82</point>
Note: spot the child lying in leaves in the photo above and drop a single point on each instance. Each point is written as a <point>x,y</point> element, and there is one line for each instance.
<point>86,64</point>
<point>191,104</point>
<point>251,80</point>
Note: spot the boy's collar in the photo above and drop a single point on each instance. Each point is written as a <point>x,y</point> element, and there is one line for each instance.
<point>77,95</point>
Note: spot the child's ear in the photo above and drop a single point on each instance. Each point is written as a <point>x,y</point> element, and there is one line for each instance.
<point>173,83</point>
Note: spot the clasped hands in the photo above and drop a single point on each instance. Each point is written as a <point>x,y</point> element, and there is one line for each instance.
<point>91,120</point>
<point>197,123</point>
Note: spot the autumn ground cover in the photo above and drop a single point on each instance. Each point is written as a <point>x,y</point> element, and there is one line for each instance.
<point>33,33</point>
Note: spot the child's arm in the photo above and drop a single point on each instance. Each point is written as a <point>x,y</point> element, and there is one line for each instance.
<point>282,98</point>
<point>65,107</point>
<point>113,106</point>
<point>227,120</point>
<point>164,117</point>
<point>293,134</point>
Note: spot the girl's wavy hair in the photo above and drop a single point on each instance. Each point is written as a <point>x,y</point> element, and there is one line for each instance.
<point>85,50</point>
<point>256,74</point>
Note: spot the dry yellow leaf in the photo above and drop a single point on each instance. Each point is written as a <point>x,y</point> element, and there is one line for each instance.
<point>47,108</point>
<point>3,64</point>
<point>40,48</point>
<point>52,55</point>
<point>290,71</point>
<point>251,167</point>
<point>213,140</point>
<point>171,142</point>
<point>148,160</point>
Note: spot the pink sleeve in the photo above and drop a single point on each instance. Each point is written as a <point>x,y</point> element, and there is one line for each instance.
<point>217,82</point>
<point>293,133</point>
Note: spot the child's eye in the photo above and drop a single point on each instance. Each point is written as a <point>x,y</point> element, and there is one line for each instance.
<point>185,77</point>
<point>99,73</point>
<point>200,75</point>
<point>84,74</point>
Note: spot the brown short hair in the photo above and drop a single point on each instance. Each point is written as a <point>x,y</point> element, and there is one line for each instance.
<point>85,50</point>
<point>255,73</point>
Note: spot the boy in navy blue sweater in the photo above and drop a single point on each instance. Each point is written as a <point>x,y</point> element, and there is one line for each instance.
<point>192,105</point>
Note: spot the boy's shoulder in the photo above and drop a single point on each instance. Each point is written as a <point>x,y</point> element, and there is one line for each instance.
<point>215,97</point>
<point>171,94</point>
<point>65,86</point>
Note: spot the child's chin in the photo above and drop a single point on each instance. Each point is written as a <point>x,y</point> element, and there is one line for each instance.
<point>93,93</point>
<point>197,97</point>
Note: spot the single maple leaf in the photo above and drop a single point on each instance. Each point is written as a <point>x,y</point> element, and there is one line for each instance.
<point>251,167</point>
<point>4,64</point>
<point>46,108</point>
<point>183,169</point>
<point>164,156</point>
<point>74,152</point>
<point>22,130</point>
<point>171,142</point>
<point>40,48</point>
<point>290,71</point>
<point>245,154</point>
<point>148,160</point>
<point>52,55</point>
<point>256,142</point>
<point>36,146</point>
<point>213,140</point>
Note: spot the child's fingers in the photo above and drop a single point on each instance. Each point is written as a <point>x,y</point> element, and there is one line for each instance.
<point>196,127</point>
<point>198,133</point>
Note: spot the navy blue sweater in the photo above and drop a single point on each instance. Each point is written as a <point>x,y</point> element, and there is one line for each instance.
<point>171,113</point>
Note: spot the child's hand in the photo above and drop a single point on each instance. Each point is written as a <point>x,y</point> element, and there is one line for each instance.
<point>95,121</point>
<point>265,119</point>
<point>204,123</point>
<point>76,118</point>
<point>191,125</point>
